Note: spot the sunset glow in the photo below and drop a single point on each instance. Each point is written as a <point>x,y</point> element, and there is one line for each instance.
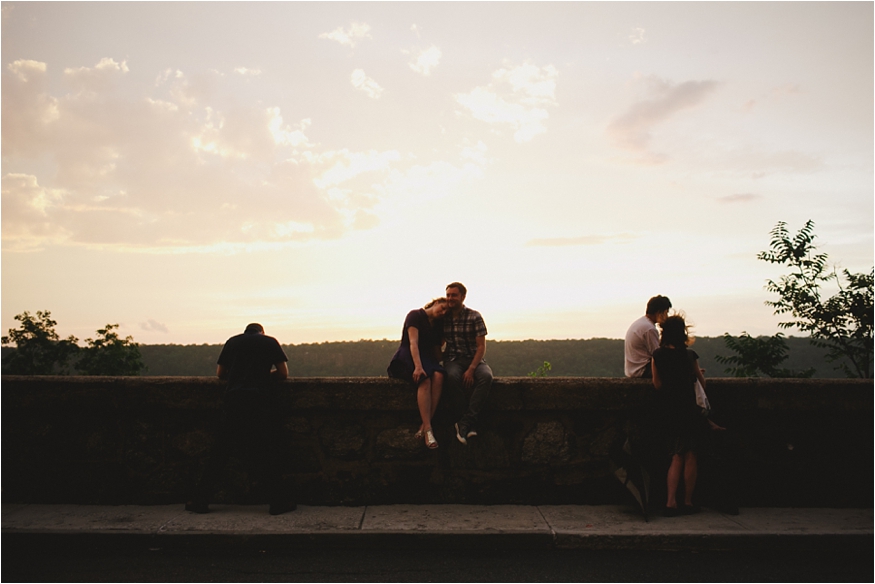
<point>322,168</point>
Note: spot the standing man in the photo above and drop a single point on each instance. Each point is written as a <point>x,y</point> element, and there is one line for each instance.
<point>465,335</point>
<point>642,338</point>
<point>253,364</point>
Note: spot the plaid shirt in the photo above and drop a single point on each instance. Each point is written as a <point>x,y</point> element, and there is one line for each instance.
<point>461,334</point>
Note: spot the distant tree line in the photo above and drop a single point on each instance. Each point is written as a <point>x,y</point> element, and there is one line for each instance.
<point>41,352</point>
<point>367,358</point>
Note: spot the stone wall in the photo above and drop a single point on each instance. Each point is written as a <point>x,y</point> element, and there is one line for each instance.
<point>349,441</point>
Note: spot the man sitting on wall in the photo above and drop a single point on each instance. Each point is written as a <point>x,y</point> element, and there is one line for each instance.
<point>465,334</point>
<point>642,338</point>
<point>253,364</point>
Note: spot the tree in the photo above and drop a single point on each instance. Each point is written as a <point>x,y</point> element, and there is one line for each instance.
<point>110,355</point>
<point>842,323</point>
<point>38,349</point>
<point>755,355</point>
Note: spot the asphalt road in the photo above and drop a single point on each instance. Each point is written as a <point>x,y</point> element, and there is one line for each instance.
<point>23,563</point>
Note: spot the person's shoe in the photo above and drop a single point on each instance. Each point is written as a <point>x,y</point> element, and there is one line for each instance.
<point>671,512</point>
<point>471,433</point>
<point>430,441</point>
<point>280,508</point>
<point>462,434</point>
<point>728,508</point>
<point>197,507</point>
<point>690,509</point>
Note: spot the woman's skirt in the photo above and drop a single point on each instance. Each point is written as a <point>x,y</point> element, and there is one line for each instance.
<point>401,366</point>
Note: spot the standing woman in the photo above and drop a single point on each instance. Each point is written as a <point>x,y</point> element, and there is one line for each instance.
<point>417,360</point>
<point>675,371</point>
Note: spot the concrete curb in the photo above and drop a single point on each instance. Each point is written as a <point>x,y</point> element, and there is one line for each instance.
<point>432,526</point>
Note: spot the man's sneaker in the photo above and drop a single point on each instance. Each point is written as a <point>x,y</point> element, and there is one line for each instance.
<point>462,434</point>
<point>471,433</point>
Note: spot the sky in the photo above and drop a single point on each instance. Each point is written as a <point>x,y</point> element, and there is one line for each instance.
<point>183,169</point>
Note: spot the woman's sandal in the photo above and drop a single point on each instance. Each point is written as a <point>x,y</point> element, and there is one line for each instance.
<point>418,434</point>
<point>430,442</point>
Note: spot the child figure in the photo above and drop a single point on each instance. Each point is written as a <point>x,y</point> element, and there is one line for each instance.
<point>675,373</point>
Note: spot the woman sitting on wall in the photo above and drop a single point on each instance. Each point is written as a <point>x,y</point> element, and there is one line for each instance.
<point>675,372</point>
<point>417,360</point>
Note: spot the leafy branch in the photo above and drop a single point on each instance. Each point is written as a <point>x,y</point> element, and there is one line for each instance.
<point>842,323</point>
<point>755,355</point>
<point>542,370</point>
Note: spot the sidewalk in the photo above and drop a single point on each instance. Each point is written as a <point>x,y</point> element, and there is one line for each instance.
<point>447,526</point>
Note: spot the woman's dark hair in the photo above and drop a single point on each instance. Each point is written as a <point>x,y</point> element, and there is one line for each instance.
<point>674,332</point>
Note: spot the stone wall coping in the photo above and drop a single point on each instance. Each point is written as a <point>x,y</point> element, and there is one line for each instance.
<point>508,393</point>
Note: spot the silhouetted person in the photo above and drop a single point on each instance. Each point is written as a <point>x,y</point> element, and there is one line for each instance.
<point>675,371</point>
<point>642,338</point>
<point>253,364</point>
<point>465,335</point>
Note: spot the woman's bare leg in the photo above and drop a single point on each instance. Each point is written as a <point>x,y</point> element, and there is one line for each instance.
<point>436,388</point>
<point>673,479</point>
<point>423,400</point>
<point>691,473</point>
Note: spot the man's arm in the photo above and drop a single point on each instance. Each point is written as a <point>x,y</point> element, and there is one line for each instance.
<point>281,372</point>
<point>468,377</point>
<point>221,372</point>
<point>652,340</point>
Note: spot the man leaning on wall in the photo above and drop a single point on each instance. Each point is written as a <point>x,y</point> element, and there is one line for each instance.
<point>253,365</point>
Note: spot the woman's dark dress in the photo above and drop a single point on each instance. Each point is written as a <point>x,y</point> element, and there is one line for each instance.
<point>401,366</point>
<point>683,423</point>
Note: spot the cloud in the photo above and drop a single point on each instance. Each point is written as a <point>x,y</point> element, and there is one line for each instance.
<point>581,240</point>
<point>283,134</point>
<point>349,37</point>
<point>787,89</point>
<point>24,68</point>
<point>352,164</point>
<point>426,61</point>
<point>427,182</point>
<point>162,168</point>
<point>636,37</point>
<point>739,198</point>
<point>154,325</point>
<point>777,94</point>
<point>99,78</point>
<point>247,72</point>
<point>28,111</point>
<point>26,222</point>
<point>476,154</point>
<point>632,130</point>
<point>516,98</point>
<point>364,83</point>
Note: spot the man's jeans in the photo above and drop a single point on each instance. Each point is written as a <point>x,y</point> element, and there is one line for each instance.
<point>480,391</point>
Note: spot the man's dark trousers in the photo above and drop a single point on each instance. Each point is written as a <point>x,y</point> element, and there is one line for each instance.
<point>250,422</point>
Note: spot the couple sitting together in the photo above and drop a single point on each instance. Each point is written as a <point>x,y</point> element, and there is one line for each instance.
<point>683,407</point>
<point>418,359</point>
